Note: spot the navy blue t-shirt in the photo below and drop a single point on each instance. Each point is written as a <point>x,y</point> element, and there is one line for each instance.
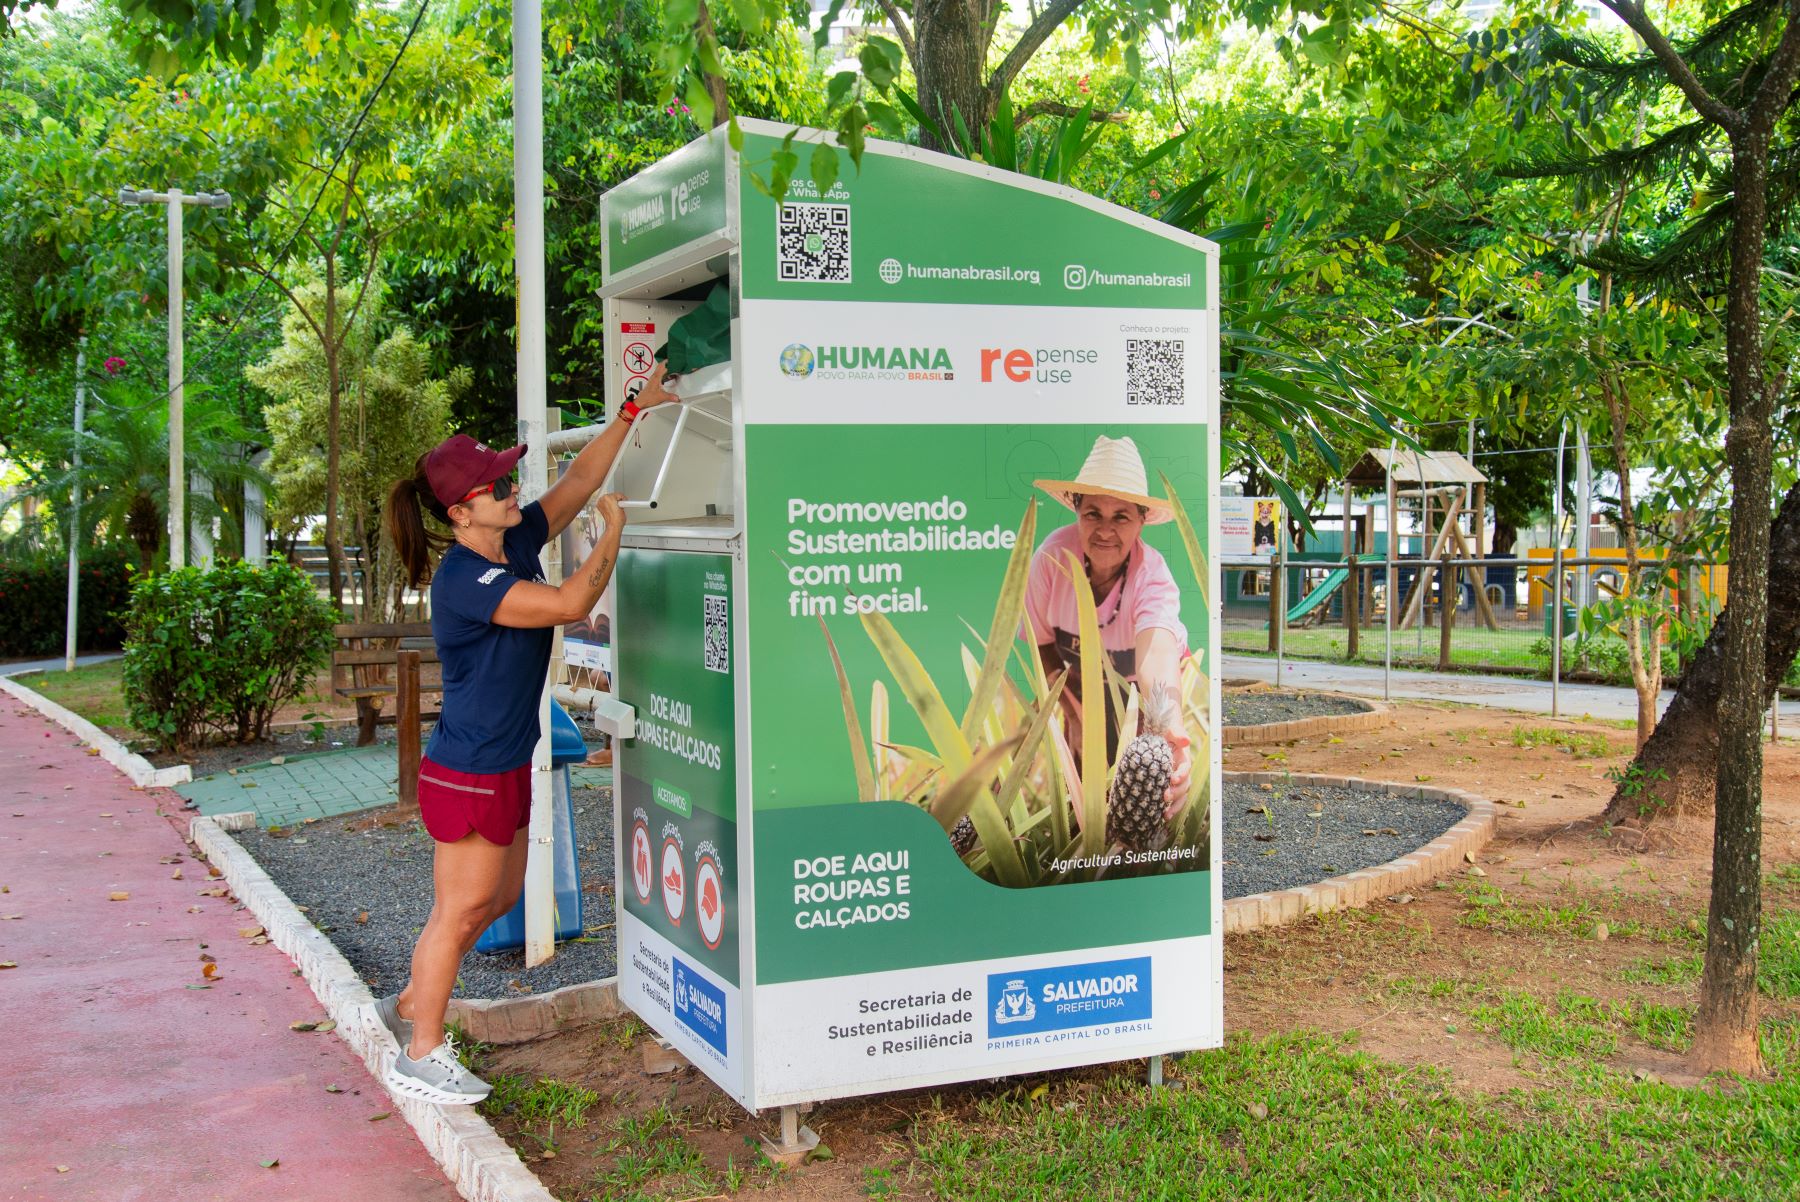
<point>493,675</point>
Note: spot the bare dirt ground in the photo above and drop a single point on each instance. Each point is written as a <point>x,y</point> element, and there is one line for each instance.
<point>1555,908</point>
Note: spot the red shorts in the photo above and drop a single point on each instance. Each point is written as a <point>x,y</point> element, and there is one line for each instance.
<point>495,805</point>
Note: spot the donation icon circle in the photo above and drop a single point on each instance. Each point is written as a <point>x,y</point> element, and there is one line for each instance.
<point>641,879</point>
<point>674,882</point>
<point>709,889</point>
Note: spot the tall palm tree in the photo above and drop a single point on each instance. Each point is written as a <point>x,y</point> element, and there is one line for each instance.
<point>124,478</point>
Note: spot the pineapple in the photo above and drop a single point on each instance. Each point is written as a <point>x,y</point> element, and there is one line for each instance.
<point>962,836</point>
<point>1134,803</point>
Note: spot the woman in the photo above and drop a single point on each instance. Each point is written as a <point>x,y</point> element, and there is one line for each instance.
<point>492,617</point>
<point>1137,602</point>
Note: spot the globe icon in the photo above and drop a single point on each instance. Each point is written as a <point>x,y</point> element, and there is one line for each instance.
<point>797,360</point>
<point>891,271</point>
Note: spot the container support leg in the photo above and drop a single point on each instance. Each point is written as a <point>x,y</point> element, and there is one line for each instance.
<point>796,1141</point>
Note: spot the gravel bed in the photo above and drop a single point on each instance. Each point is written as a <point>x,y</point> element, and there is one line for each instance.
<point>1281,836</point>
<point>1261,709</point>
<point>336,872</point>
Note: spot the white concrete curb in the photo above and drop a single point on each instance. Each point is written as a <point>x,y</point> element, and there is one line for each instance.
<point>1375,716</point>
<point>1441,856</point>
<point>480,1164</point>
<point>111,750</point>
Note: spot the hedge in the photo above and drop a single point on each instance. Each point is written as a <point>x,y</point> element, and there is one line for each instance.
<point>34,594</point>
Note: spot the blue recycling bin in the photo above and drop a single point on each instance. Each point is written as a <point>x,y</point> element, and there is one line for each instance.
<point>508,931</point>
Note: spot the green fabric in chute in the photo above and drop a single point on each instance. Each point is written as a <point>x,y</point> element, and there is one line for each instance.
<point>702,337</point>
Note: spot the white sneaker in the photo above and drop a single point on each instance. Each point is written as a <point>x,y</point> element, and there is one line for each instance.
<point>437,1077</point>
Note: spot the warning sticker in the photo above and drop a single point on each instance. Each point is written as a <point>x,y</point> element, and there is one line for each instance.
<point>639,358</point>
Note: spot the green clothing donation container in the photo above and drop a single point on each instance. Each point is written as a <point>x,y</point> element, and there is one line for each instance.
<point>863,846</point>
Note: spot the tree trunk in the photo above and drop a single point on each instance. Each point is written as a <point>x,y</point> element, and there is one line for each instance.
<point>1643,630</point>
<point>952,55</point>
<point>715,84</point>
<point>1680,762</point>
<point>1725,1026</point>
<point>334,538</point>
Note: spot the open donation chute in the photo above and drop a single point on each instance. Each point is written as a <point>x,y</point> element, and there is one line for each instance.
<point>925,781</point>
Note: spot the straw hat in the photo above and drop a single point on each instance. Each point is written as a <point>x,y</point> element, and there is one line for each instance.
<point>1114,469</point>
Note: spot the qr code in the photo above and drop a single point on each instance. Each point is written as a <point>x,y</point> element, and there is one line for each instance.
<point>1155,371</point>
<point>718,636</point>
<point>812,243</point>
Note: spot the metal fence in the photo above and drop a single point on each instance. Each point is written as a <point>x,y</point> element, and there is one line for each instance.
<point>1501,615</point>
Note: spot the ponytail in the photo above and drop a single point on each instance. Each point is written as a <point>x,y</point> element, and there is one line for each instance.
<point>408,502</point>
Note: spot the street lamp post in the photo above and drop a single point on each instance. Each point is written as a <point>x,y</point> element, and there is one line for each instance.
<point>69,628</point>
<point>176,199</point>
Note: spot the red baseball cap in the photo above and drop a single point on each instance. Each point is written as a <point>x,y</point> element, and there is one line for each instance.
<point>459,465</point>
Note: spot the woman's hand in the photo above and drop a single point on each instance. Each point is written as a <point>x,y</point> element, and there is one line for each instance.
<point>1175,796</point>
<point>653,393</point>
<point>610,509</point>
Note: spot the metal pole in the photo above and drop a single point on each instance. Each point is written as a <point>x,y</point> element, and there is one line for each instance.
<point>1279,616</point>
<point>1584,514</point>
<point>1389,591</point>
<point>177,435</point>
<point>75,508</point>
<point>1556,584</point>
<point>1469,489</point>
<point>528,258</point>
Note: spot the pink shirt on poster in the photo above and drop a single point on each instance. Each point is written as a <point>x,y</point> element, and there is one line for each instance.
<point>1145,598</point>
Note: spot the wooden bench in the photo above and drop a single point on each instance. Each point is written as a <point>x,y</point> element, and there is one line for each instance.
<point>377,660</point>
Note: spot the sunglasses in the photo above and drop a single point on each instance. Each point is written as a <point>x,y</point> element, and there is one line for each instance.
<point>501,489</point>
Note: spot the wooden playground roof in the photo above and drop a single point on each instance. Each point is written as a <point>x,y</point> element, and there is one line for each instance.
<point>1412,467</point>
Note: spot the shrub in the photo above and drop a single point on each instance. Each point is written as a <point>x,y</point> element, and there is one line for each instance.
<point>34,596</point>
<point>221,649</point>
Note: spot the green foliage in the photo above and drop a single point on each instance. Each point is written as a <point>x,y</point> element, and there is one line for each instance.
<point>221,649</point>
<point>1635,780</point>
<point>34,596</point>
<point>172,35</point>
<point>394,412</point>
<point>546,1101</point>
<point>124,476</point>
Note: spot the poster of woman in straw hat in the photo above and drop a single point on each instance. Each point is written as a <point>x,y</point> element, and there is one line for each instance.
<point>1136,601</point>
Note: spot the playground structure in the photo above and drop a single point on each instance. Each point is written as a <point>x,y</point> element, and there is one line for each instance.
<point>1448,496</point>
<point>1448,492</point>
<point>1434,547</point>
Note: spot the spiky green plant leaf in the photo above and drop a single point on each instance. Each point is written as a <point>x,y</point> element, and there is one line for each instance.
<point>859,751</point>
<point>1093,714</point>
<point>1009,611</point>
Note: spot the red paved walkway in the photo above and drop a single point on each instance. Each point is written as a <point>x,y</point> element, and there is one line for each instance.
<point>142,1087</point>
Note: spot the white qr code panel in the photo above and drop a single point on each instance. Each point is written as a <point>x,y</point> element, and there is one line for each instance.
<point>812,243</point>
<point>718,635</point>
<point>1155,371</point>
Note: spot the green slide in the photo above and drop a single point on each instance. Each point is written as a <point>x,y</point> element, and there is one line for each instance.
<point>1319,595</point>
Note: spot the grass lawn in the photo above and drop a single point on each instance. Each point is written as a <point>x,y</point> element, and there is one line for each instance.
<point>1308,1116</point>
<point>95,692</point>
<point>1475,647</point>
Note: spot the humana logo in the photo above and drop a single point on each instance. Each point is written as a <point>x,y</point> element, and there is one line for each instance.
<point>640,216</point>
<point>885,358</point>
